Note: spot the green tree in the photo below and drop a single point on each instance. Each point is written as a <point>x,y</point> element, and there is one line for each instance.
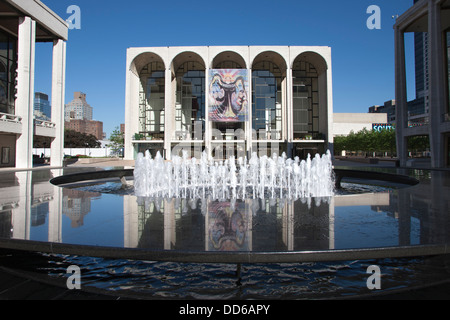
<point>75,139</point>
<point>418,144</point>
<point>117,141</point>
<point>367,141</point>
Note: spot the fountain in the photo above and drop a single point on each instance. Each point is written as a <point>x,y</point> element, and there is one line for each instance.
<point>258,177</point>
<point>199,214</point>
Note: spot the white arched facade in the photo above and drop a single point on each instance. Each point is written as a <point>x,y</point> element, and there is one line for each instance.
<point>167,109</point>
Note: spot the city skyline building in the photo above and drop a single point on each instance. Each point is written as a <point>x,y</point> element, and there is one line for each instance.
<point>388,107</point>
<point>78,108</point>
<point>86,126</point>
<point>42,107</point>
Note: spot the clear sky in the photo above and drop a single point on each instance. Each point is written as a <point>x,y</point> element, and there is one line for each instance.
<point>362,59</point>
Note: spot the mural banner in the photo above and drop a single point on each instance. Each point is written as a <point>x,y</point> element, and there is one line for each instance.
<point>228,95</point>
<point>228,227</point>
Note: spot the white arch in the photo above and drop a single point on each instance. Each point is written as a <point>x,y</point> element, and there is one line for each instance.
<point>278,55</point>
<point>320,57</point>
<point>240,51</point>
<point>184,56</point>
<point>138,59</point>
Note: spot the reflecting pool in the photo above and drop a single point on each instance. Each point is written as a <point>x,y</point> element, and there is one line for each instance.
<point>186,240</point>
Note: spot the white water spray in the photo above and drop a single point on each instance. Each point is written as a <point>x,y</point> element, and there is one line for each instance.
<point>258,177</point>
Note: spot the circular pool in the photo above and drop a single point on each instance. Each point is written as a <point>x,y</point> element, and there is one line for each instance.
<point>398,220</point>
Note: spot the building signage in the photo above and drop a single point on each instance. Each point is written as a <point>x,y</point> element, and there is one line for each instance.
<point>382,126</point>
<point>228,95</point>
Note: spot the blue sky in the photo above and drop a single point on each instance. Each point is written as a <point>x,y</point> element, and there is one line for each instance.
<point>362,59</point>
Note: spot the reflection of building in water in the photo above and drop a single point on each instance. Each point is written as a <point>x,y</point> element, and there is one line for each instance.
<point>27,199</point>
<point>169,224</point>
<point>76,204</point>
<point>250,225</point>
<point>6,210</point>
<point>39,214</point>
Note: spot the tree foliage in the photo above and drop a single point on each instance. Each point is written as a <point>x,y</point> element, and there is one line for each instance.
<point>370,141</point>
<point>367,141</point>
<point>75,139</point>
<point>117,141</point>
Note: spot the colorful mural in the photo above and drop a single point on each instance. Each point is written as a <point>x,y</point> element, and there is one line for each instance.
<point>228,92</point>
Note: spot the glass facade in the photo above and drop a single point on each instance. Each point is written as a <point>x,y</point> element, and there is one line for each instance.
<point>447,34</point>
<point>305,101</point>
<point>42,108</point>
<point>152,101</point>
<point>267,100</point>
<point>190,102</point>
<point>8,72</point>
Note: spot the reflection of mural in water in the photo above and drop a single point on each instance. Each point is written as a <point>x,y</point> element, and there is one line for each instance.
<point>227,227</point>
<point>228,95</point>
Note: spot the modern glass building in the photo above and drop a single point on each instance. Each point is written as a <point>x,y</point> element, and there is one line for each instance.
<point>42,107</point>
<point>432,17</point>
<point>228,101</point>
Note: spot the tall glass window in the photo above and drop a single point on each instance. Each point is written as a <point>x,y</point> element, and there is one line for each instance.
<point>8,73</point>
<point>151,101</point>
<point>305,100</point>
<point>267,100</point>
<point>448,73</point>
<point>190,101</point>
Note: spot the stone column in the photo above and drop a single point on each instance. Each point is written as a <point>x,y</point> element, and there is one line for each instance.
<point>21,215</point>
<point>25,91</point>
<point>329,140</point>
<point>207,136</point>
<point>132,112</point>
<point>58,90</point>
<point>400,95</point>
<point>437,89</point>
<point>169,113</point>
<point>55,211</point>
<point>289,116</point>
<point>250,138</point>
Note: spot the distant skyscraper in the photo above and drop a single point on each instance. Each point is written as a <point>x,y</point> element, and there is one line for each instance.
<point>448,72</point>
<point>42,108</point>
<point>78,108</point>
<point>421,63</point>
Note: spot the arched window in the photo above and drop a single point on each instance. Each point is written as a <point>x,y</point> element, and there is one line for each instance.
<point>267,100</point>
<point>190,100</point>
<point>152,101</point>
<point>305,100</point>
